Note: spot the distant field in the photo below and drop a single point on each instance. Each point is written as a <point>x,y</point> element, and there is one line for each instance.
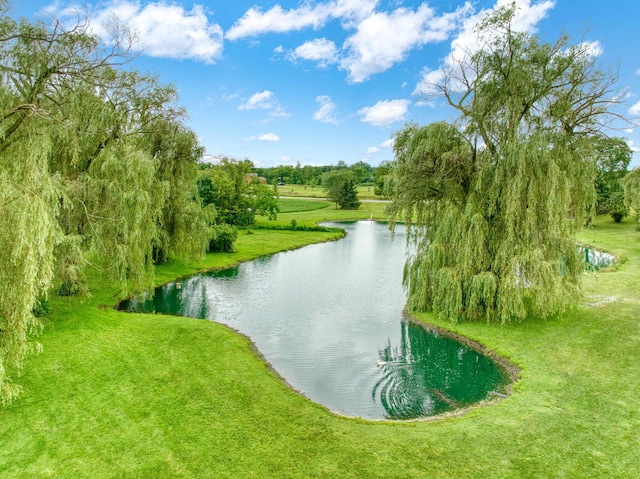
<point>365,192</point>
<point>292,205</point>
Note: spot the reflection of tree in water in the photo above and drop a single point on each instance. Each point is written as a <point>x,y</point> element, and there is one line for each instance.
<point>429,374</point>
<point>231,272</point>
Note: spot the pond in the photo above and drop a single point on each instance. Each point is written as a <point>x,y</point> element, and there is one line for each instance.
<point>329,319</point>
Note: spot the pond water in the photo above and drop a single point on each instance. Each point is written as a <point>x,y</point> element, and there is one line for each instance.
<point>595,259</point>
<point>329,319</point>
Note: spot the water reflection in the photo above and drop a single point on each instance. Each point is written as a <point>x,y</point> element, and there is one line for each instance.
<point>596,259</point>
<point>325,315</point>
<point>429,373</point>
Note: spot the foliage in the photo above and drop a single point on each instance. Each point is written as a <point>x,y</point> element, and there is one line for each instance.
<point>348,196</point>
<point>222,238</point>
<point>616,206</point>
<point>381,188</point>
<point>96,169</point>
<point>631,184</point>
<point>497,200</point>
<point>340,188</point>
<point>312,175</point>
<point>236,195</point>
<point>613,156</point>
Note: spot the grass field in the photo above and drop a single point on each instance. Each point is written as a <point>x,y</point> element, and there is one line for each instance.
<point>117,395</point>
<point>304,191</point>
<point>292,205</point>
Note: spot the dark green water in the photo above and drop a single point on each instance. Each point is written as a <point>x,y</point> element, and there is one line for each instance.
<point>328,318</point>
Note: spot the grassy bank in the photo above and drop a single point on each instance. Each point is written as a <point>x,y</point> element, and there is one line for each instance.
<point>133,395</point>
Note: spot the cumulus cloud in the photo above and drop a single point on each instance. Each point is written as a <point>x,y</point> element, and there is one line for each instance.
<point>326,112</point>
<point>372,149</point>
<point>387,144</point>
<point>385,112</point>
<point>635,109</point>
<point>256,22</point>
<point>266,137</point>
<point>163,29</point>
<point>384,39</point>
<point>380,38</point>
<point>320,50</point>
<point>276,20</point>
<point>593,49</point>
<point>265,100</point>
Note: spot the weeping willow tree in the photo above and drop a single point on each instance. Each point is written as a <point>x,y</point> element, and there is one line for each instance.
<point>84,180</point>
<point>631,185</point>
<point>495,200</point>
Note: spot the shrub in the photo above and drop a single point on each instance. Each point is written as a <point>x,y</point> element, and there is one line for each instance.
<point>223,236</point>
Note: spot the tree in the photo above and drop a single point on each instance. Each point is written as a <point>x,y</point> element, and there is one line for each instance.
<point>613,156</point>
<point>348,196</point>
<point>631,184</point>
<point>236,195</point>
<point>83,180</point>
<point>340,188</point>
<point>494,202</point>
<point>381,189</point>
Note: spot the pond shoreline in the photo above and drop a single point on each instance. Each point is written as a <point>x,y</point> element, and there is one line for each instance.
<point>510,370</point>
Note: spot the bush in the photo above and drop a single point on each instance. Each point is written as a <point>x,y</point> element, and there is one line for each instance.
<point>41,308</point>
<point>617,208</point>
<point>223,236</point>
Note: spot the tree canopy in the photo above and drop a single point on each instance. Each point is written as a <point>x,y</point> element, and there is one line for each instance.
<point>494,201</point>
<point>236,193</point>
<point>96,170</point>
<point>340,186</point>
<point>612,156</point>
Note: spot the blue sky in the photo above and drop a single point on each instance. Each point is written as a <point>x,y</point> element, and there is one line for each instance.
<point>317,82</point>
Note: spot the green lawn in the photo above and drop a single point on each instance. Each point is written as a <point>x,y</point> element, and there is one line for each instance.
<point>365,192</point>
<point>290,205</point>
<point>310,212</point>
<point>118,395</point>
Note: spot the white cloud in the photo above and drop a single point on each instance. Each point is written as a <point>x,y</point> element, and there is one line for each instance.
<point>635,109</point>
<point>388,144</point>
<point>593,49</point>
<point>276,20</point>
<point>632,146</point>
<point>320,50</point>
<point>266,137</point>
<point>371,150</point>
<point>265,100</point>
<point>381,38</point>
<point>326,112</point>
<point>164,29</point>
<point>384,39</point>
<point>255,21</point>
<point>385,112</point>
